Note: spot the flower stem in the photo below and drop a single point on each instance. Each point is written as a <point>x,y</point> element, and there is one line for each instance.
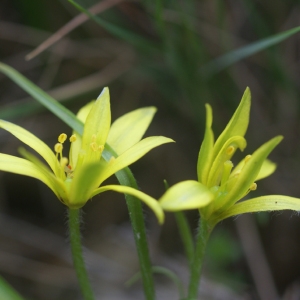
<point>134,205</point>
<point>75,239</point>
<point>204,231</point>
<point>186,236</point>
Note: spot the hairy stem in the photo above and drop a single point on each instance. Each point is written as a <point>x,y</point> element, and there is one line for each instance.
<point>204,231</point>
<point>76,247</point>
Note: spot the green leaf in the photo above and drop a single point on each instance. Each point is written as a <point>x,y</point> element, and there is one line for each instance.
<point>7,292</point>
<point>119,32</point>
<point>46,100</point>
<point>234,56</point>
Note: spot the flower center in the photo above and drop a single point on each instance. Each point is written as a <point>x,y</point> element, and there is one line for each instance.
<point>229,177</point>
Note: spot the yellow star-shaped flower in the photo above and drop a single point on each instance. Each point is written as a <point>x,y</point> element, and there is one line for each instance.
<point>76,179</point>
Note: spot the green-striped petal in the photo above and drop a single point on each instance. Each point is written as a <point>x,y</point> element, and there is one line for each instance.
<point>127,130</point>
<point>188,194</point>
<point>151,202</point>
<point>264,203</point>
<point>32,141</point>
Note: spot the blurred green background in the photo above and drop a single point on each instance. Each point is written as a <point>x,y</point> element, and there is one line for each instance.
<point>159,53</point>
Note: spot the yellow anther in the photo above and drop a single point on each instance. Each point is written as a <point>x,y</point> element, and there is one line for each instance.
<point>62,137</point>
<point>100,148</point>
<point>58,148</point>
<point>94,146</point>
<point>253,186</point>
<point>64,161</point>
<point>94,138</point>
<point>230,150</point>
<point>247,158</point>
<point>73,138</point>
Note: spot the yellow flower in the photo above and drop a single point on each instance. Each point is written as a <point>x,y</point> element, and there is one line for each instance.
<point>220,186</point>
<point>76,179</point>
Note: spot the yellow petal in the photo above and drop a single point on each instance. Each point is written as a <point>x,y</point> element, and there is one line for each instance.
<point>129,129</point>
<point>132,155</point>
<point>97,123</point>
<point>32,141</point>
<point>267,169</point>
<point>84,111</point>
<point>264,203</point>
<point>151,202</point>
<point>238,124</point>
<point>206,150</point>
<point>13,164</point>
<point>188,194</point>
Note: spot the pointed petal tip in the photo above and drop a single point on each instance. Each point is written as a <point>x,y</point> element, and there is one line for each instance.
<point>103,92</point>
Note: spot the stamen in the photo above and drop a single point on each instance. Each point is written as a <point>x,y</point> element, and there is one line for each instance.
<point>230,150</point>
<point>64,161</point>
<point>100,148</point>
<point>94,146</point>
<point>94,138</point>
<point>253,186</point>
<point>73,138</point>
<point>228,165</point>
<point>58,148</point>
<point>62,137</point>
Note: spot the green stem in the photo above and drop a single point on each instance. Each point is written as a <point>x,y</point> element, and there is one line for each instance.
<point>134,205</point>
<point>186,236</point>
<point>204,231</point>
<point>75,239</point>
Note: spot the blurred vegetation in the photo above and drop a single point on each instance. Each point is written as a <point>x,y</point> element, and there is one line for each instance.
<point>161,53</point>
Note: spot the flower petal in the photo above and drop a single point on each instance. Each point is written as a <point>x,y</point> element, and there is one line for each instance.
<point>132,155</point>
<point>129,129</point>
<point>76,145</point>
<point>17,165</point>
<point>32,141</point>
<point>97,123</point>
<point>267,169</point>
<point>188,194</point>
<point>238,124</point>
<point>206,150</point>
<point>151,202</point>
<point>264,203</point>
<point>249,173</point>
